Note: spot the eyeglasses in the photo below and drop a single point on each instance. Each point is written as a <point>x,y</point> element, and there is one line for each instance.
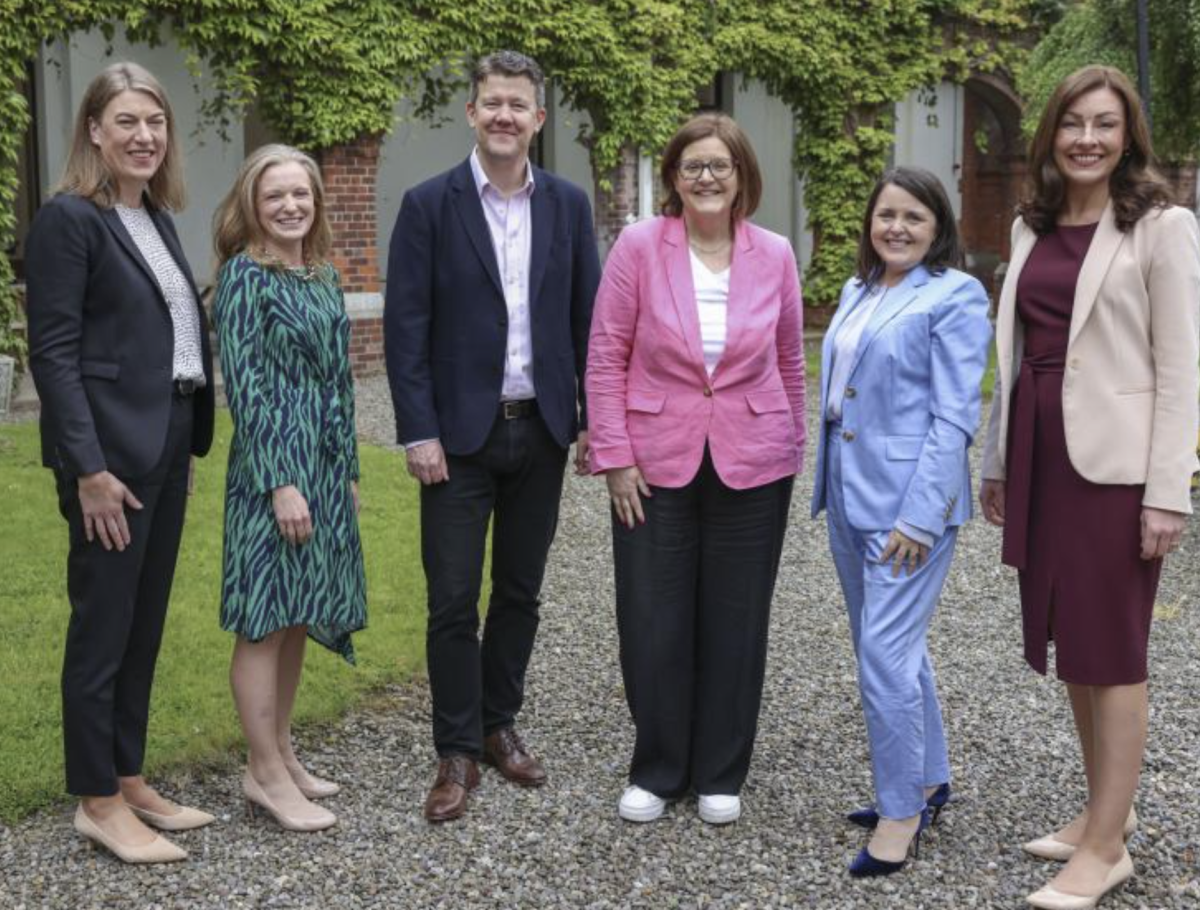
<point>694,168</point>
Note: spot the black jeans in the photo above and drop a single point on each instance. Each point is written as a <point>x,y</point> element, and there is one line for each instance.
<point>694,587</point>
<point>517,476</point>
<point>118,608</point>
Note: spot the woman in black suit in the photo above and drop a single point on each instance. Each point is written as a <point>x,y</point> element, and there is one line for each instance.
<point>118,347</point>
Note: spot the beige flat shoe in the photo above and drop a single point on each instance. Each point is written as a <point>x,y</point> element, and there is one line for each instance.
<point>256,796</point>
<point>1050,899</point>
<point>159,850</point>
<point>184,820</point>
<point>1049,847</point>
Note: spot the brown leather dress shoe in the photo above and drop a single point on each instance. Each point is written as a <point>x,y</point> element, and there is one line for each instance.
<point>505,751</point>
<point>457,776</point>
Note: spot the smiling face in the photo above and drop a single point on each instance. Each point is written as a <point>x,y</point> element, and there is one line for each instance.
<point>708,195</point>
<point>505,116</point>
<point>285,207</point>
<point>902,231</point>
<point>1090,139</point>
<point>131,135</point>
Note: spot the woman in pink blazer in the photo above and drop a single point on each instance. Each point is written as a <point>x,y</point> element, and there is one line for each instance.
<point>695,387</point>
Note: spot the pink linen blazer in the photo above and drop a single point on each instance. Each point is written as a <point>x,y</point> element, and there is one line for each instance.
<point>651,402</point>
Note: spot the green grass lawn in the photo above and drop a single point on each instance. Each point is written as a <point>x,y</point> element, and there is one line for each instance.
<point>192,718</point>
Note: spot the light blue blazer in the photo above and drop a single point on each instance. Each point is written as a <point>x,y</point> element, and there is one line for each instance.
<point>914,405</point>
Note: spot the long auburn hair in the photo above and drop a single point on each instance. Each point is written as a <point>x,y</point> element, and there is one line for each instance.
<point>86,174</point>
<point>235,224</point>
<point>1136,186</point>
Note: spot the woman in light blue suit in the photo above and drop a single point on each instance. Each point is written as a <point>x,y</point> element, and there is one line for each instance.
<point>901,367</point>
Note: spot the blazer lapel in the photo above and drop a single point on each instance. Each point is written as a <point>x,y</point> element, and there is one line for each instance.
<point>1105,243</point>
<point>850,300</point>
<point>1006,310</point>
<point>893,303</point>
<point>683,291</point>
<point>467,204</point>
<point>542,210</point>
<point>117,227</point>
<point>743,271</point>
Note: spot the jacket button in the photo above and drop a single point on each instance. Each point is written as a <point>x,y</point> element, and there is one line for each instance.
<point>851,391</point>
<point>848,435</point>
<point>707,392</point>
<point>1074,363</point>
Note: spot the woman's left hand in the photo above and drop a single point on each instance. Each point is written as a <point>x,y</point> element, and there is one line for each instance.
<point>1161,532</point>
<point>354,493</point>
<point>902,549</point>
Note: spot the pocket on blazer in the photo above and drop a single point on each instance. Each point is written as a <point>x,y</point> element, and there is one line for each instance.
<point>903,448</point>
<point>645,402</point>
<point>100,369</point>
<point>769,401</point>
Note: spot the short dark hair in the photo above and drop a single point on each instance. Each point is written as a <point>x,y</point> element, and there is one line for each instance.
<point>509,63</point>
<point>744,160</point>
<point>1136,185</point>
<point>945,251</point>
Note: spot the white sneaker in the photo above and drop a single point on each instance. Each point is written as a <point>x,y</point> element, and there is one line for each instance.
<point>720,810</point>
<point>638,805</point>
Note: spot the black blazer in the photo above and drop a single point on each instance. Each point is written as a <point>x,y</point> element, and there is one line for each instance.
<point>101,342</point>
<point>446,323</point>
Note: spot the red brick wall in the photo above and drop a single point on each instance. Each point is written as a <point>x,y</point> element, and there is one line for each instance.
<point>617,207</point>
<point>366,344</point>
<point>350,172</point>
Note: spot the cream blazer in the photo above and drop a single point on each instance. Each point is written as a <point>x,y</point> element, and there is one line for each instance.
<point>1132,375</point>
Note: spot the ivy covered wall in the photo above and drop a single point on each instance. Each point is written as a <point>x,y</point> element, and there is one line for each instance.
<point>325,72</point>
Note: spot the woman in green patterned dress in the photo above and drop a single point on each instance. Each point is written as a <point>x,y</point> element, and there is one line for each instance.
<point>293,565</point>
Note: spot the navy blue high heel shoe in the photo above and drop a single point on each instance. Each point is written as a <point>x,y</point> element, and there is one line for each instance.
<point>867,866</point>
<point>868,816</point>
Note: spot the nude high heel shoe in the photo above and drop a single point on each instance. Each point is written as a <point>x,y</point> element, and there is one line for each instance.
<point>1050,899</point>
<point>255,795</point>
<point>159,850</point>
<point>311,786</point>
<point>184,820</point>
<point>1049,847</point>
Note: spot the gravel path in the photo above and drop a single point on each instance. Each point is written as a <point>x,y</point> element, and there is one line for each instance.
<point>1013,755</point>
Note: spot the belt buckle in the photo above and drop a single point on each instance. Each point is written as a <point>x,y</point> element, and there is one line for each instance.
<point>510,409</point>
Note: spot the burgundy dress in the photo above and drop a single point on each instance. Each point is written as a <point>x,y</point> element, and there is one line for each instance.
<point>1084,585</point>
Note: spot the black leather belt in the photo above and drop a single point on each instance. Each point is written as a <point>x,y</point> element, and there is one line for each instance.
<point>185,387</point>
<point>517,410</point>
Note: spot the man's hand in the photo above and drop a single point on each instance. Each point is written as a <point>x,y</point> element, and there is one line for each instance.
<point>1161,532</point>
<point>103,499</point>
<point>624,484</point>
<point>291,514</point>
<point>991,500</point>
<point>427,462</point>
<point>581,453</point>
<point>902,550</point>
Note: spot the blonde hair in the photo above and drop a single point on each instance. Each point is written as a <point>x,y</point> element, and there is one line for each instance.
<point>87,174</point>
<point>235,223</point>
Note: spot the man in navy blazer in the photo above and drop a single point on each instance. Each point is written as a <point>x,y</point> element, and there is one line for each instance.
<point>491,275</point>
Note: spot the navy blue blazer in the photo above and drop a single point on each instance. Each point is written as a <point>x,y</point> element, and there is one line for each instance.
<point>446,323</point>
<point>101,341</point>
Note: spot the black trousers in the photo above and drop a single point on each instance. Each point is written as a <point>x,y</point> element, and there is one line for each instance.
<point>694,587</point>
<point>118,608</point>
<point>516,477</point>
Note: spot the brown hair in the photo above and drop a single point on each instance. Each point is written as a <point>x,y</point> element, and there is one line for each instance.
<point>86,174</point>
<point>944,252</point>
<point>745,161</point>
<point>1136,185</point>
<point>235,223</point>
<point>509,63</point>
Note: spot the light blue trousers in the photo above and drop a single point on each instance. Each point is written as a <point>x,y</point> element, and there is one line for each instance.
<point>889,619</point>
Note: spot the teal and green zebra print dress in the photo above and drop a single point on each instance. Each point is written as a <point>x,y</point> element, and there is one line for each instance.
<point>284,342</point>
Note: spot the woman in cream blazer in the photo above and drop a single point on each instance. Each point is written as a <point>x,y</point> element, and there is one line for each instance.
<point>1091,444</point>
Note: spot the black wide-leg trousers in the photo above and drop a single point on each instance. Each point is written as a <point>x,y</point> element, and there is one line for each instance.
<point>694,587</point>
<point>118,609</point>
<point>517,477</point>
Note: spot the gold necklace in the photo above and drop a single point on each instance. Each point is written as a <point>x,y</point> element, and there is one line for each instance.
<point>306,271</point>
<point>709,252</point>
